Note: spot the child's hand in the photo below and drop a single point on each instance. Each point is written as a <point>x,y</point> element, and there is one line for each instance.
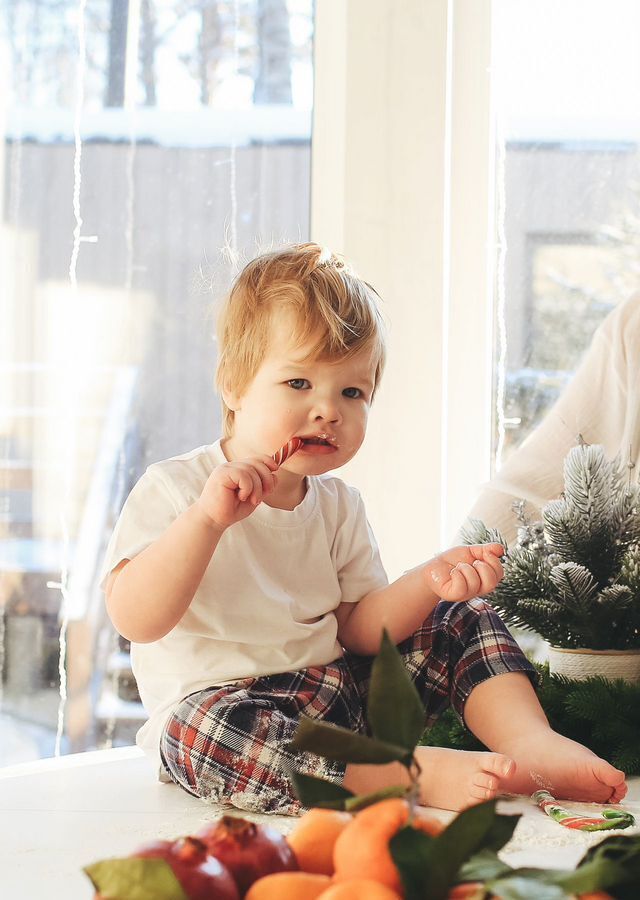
<point>234,489</point>
<point>462,573</point>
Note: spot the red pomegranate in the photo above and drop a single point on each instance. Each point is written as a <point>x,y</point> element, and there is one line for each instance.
<point>201,875</point>
<point>248,850</point>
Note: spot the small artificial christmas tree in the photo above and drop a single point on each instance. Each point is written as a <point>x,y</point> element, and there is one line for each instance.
<point>574,577</point>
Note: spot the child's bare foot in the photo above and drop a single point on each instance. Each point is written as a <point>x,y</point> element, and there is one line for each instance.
<point>456,779</point>
<point>566,769</point>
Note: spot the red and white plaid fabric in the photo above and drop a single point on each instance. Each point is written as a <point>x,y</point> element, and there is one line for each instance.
<point>227,744</point>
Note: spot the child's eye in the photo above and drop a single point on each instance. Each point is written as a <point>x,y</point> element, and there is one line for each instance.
<point>298,383</point>
<point>353,393</point>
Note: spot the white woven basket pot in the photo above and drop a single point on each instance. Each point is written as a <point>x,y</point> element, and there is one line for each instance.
<point>582,664</point>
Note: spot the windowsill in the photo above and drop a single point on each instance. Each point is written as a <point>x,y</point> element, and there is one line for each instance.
<point>68,812</point>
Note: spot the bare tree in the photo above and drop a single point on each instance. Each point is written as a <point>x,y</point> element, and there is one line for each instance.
<point>119,21</point>
<point>273,77</point>
<point>40,64</point>
<point>148,45</point>
<point>210,48</point>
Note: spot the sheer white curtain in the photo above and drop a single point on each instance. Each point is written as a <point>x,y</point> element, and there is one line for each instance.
<point>149,149</point>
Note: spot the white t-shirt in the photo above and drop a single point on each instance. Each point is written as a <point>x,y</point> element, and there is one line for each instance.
<point>602,403</point>
<point>267,599</point>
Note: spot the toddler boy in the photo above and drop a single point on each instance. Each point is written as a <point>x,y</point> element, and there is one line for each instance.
<point>252,595</point>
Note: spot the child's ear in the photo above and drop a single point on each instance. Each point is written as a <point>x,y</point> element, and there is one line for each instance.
<point>231,398</point>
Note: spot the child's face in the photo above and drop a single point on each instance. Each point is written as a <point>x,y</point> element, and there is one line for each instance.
<point>324,402</point>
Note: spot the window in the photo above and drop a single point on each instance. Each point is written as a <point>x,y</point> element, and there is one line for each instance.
<point>450,231</point>
<point>149,149</point>
<point>566,85</point>
<point>141,163</point>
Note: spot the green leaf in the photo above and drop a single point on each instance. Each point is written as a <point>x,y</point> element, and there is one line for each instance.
<point>433,865</point>
<point>411,852</point>
<point>626,892</point>
<point>475,829</point>
<point>500,832</point>
<point>612,863</point>
<point>623,848</point>
<point>312,791</point>
<point>361,801</point>
<point>526,887</point>
<point>483,866</point>
<point>135,879</point>
<point>340,744</point>
<point>394,709</point>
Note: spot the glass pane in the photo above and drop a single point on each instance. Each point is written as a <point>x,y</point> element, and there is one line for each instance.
<point>567,79</point>
<point>150,149</point>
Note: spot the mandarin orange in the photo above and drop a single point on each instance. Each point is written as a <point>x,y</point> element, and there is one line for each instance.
<point>314,836</point>
<point>595,895</point>
<point>289,886</point>
<point>362,850</point>
<point>360,889</point>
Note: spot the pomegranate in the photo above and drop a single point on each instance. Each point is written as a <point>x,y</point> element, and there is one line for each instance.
<point>201,875</point>
<point>248,850</point>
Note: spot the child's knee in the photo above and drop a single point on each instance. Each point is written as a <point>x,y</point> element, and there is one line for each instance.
<point>231,754</point>
<point>223,776</point>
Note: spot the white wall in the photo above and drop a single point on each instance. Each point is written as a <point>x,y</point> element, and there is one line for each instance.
<point>400,185</point>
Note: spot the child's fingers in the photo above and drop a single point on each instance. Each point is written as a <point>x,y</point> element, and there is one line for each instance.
<point>440,571</point>
<point>263,474</point>
<point>494,563</point>
<point>455,584</point>
<point>473,581</point>
<point>487,575</point>
<point>489,554</point>
<point>481,551</point>
<point>263,469</point>
<point>446,582</point>
<point>249,485</point>
<point>269,462</point>
<point>267,476</point>
<point>454,588</point>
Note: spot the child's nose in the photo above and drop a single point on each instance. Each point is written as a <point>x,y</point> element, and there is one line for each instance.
<point>326,411</point>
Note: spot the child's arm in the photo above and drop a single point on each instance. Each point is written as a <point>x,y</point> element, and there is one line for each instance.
<point>148,595</point>
<point>456,575</point>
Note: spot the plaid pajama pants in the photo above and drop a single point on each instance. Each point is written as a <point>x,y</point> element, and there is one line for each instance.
<point>227,744</point>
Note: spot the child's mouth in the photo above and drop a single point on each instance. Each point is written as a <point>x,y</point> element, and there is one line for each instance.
<point>317,444</point>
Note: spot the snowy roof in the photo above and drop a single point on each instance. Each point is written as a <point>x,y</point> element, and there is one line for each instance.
<point>182,128</point>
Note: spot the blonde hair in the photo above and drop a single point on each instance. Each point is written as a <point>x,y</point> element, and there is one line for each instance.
<point>330,304</point>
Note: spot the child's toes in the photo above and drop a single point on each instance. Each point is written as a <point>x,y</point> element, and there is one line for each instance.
<point>497,764</point>
<point>484,786</point>
<point>619,793</point>
<point>608,774</point>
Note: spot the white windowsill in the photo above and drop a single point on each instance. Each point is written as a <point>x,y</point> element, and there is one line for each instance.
<point>59,815</point>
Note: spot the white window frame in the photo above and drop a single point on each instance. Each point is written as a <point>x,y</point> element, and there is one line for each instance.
<point>402,184</point>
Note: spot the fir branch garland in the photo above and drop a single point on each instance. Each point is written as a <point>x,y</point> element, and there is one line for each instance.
<point>476,532</point>
<point>588,486</point>
<point>565,531</point>
<point>630,568</point>
<point>574,577</point>
<point>576,586</point>
<point>603,715</point>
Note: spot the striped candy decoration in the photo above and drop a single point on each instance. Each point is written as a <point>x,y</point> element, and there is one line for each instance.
<point>288,450</point>
<point>611,818</point>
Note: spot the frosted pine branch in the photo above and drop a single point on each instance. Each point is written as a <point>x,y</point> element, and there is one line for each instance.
<point>574,577</point>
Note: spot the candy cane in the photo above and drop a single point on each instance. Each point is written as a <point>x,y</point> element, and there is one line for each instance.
<point>611,818</point>
<point>288,450</point>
